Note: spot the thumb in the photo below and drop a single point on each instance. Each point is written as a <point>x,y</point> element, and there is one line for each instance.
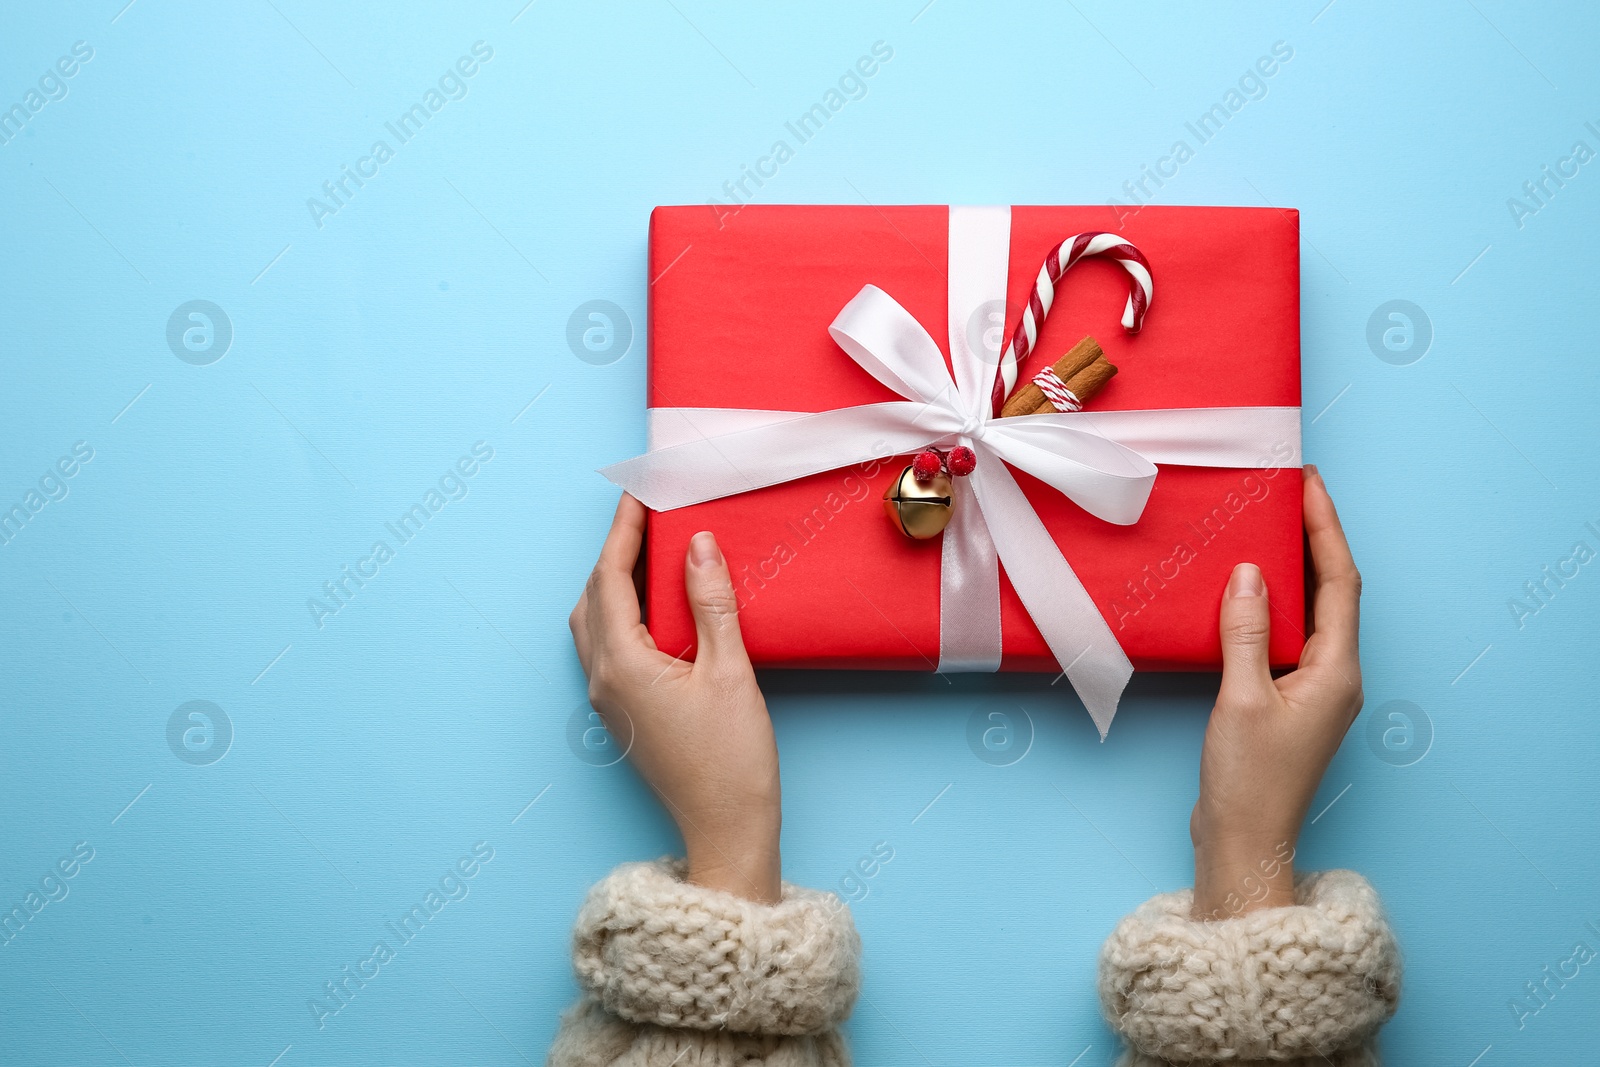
<point>712,600</point>
<point>1246,625</point>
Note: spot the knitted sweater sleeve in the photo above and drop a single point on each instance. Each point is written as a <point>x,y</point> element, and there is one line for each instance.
<point>672,971</point>
<point>1307,984</point>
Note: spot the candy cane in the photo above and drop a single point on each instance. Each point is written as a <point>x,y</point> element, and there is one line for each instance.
<point>1141,287</point>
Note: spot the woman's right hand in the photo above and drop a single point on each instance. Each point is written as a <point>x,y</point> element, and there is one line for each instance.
<point>1270,740</point>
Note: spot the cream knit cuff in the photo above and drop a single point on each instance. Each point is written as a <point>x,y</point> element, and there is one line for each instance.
<point>654,949</point>
<point>1312,980</point>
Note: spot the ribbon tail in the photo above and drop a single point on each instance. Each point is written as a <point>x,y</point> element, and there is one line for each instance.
<point>969,589</point>
<point>1060,606</point>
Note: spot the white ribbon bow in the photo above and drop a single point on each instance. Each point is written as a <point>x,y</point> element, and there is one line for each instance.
<point>1103,461</point>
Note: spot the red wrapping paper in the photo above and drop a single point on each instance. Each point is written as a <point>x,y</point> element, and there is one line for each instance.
<point>739,313</point>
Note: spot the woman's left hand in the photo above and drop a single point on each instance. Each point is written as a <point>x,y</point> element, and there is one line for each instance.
<point>699,732</point>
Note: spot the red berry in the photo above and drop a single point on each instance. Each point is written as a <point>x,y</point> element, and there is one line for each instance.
<point>963,461</point>
<point>926,465</point>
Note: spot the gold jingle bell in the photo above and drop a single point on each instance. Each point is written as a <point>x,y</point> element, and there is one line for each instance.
<point>919,509</point>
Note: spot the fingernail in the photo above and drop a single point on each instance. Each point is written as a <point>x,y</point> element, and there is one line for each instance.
<point>703,550</point>
<point>1246,581</point>
<point>1312,472</point>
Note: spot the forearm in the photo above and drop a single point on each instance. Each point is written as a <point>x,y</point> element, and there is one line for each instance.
<point>668,966</point>
<point>1309,982</point>
<point>590,1036</point>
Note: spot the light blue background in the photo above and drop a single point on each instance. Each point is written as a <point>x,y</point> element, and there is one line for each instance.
<point>369,354</point>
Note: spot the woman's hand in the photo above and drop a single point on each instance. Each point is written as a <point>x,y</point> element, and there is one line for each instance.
<point>699,732</point>
<point>1269,741</point>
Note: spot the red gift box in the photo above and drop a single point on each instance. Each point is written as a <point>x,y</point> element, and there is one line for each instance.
<point>739,312</point>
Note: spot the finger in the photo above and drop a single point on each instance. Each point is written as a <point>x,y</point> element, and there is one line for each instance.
<point>621,550</point>
<point>613,603</point>
<point>1246,623</point>
<point>713,602</point>
<point>617,640</point>
<point>578,623</point>
<point>613,598</point>
<point>1336,599</point>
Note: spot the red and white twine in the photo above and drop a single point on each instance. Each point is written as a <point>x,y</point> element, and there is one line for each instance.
<point>1141,287</point>
<point>1055,390</point>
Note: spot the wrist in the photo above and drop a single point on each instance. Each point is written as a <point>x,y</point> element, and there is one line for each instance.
<point>1236,876</point>
<point>752,870</point>
<point>739,854</point>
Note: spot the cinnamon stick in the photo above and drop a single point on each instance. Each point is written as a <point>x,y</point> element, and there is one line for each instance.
<point>1086,382</point>
<point>1027,397</point>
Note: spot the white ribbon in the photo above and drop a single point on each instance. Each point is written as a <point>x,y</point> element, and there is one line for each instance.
<point>1103,461</point>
